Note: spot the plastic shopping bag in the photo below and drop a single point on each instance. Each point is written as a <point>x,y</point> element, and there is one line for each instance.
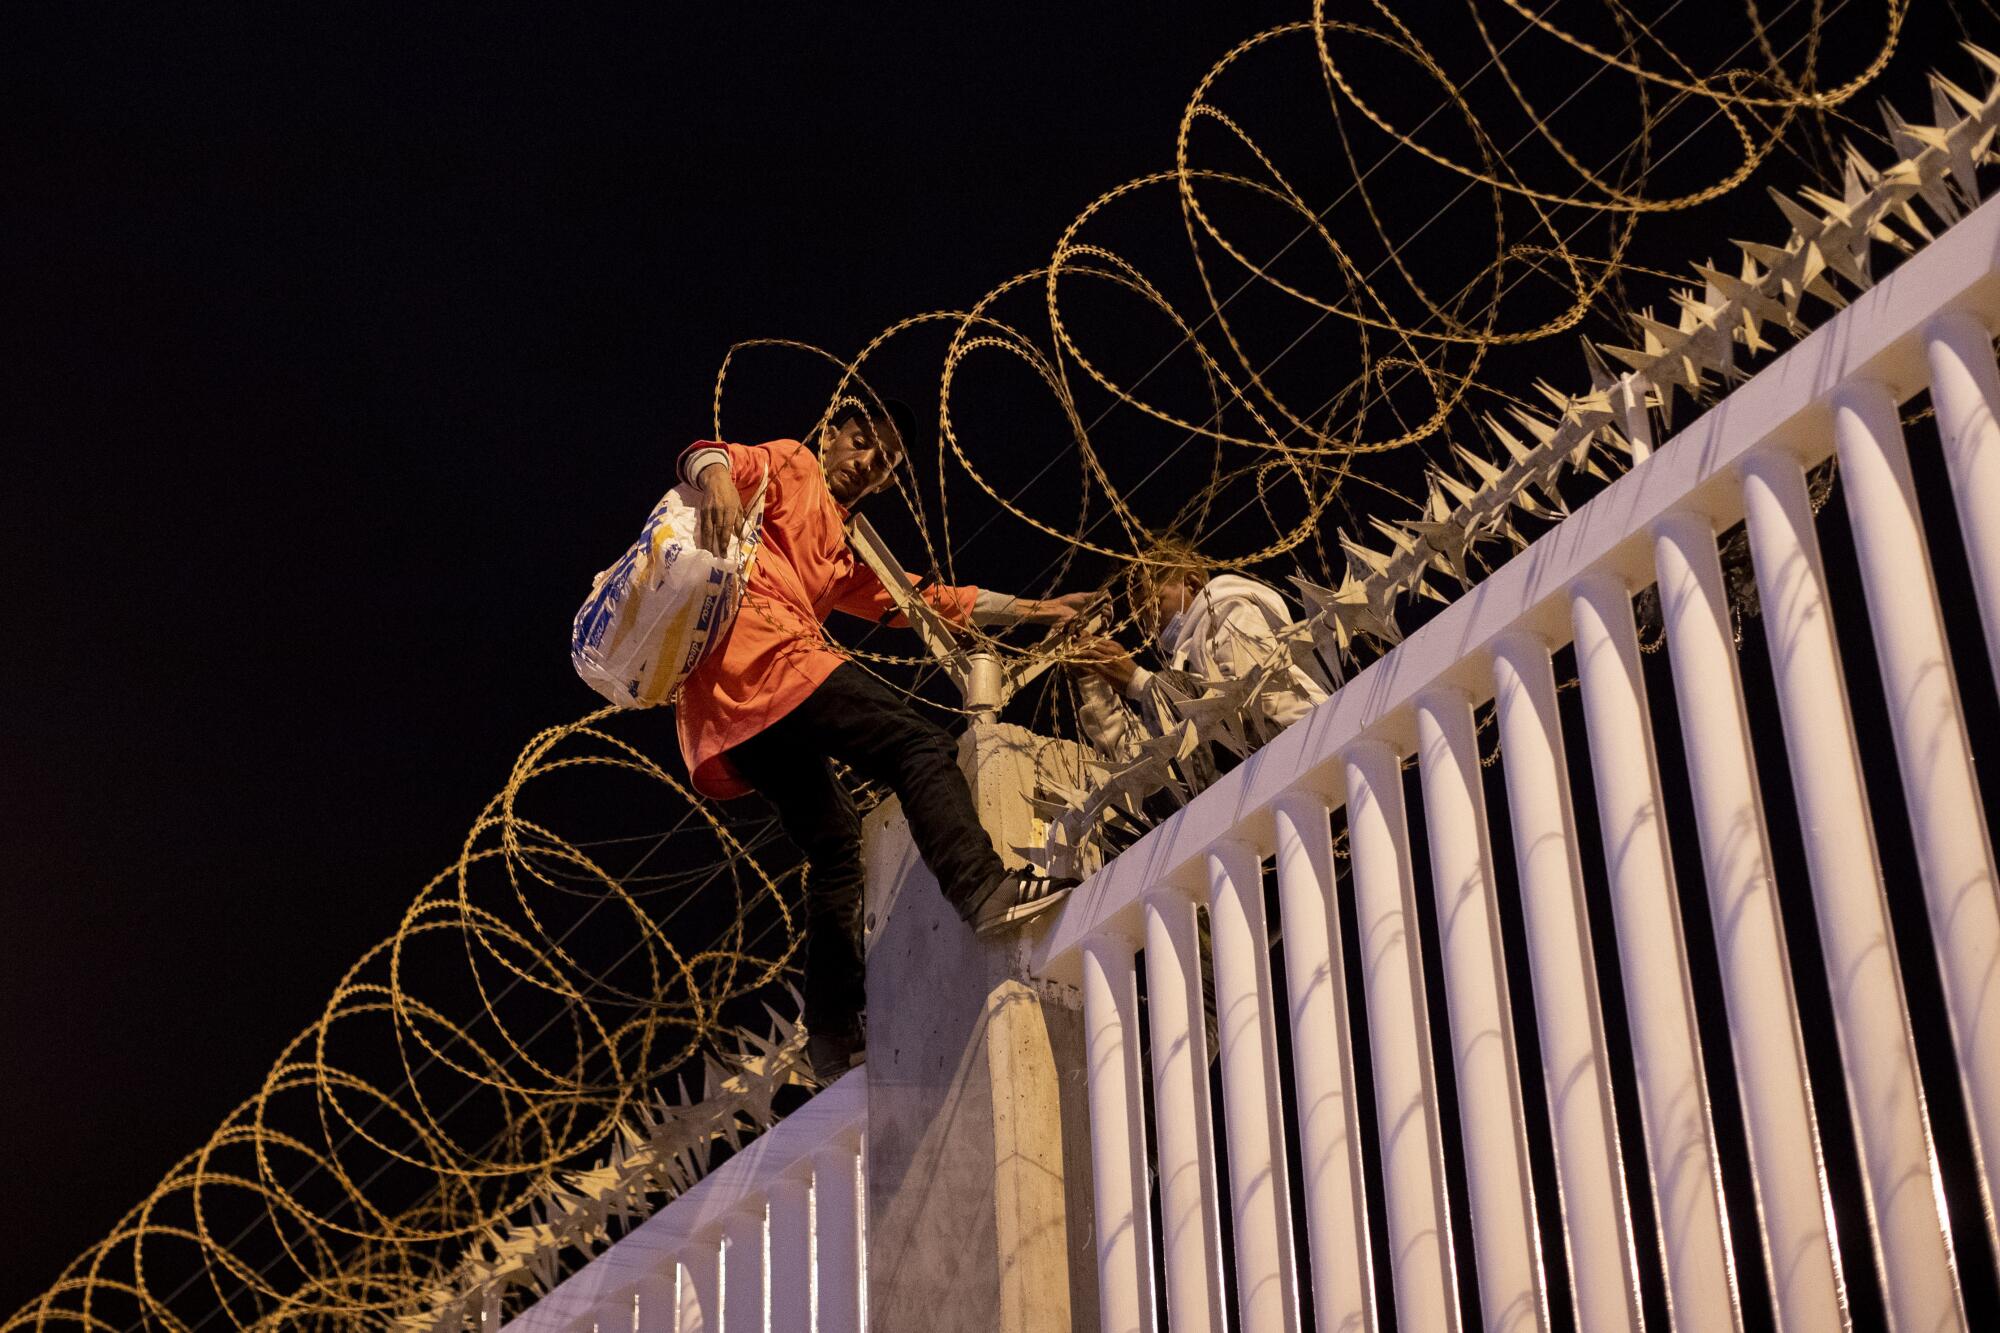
<point>652,617</point>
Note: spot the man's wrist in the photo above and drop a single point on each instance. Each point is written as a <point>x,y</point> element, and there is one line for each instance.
<point>999,608</point>
<point>696,462</point>
<point>708,478</point>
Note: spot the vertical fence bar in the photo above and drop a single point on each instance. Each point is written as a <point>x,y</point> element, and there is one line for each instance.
<point>1965,390</point>
<point>1749,934</point>
<point>1342,1288</point>
<point>743,1271</point>
<point>1630,400</point>
<point>791,1251</point>
<point>1597,1221</point>
<point>1413,1181</point>
<point>1506,1241</point>
<point>1267,1281</point>
<point>1123,1214</point>
<point>701,1285</point>
<point>1940,792</point>
<point>1683,1170</point>
<point>1903,1191</point>
<point>1190,1223</point>
<point>837,1238</point>
<point>654,1307</point>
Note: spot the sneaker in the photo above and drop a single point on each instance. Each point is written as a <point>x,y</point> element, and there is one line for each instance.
<point>833,1052</point>
<point>1015,897</point>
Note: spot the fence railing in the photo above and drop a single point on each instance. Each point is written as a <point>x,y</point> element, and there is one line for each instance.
<point>1226,1210</point>
<point>1254,1175</point>
<point>774,1238</point>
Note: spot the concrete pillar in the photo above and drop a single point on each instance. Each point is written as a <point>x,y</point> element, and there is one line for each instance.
<point>978,1154</point>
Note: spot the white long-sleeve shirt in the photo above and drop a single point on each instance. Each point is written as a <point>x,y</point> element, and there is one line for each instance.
<point>1229,629</point>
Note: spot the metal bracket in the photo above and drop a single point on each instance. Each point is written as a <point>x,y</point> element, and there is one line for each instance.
<point>931,627</point>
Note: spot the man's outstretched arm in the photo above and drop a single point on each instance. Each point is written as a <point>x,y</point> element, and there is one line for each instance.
<point>1001,608</point>
<point>863,595</point>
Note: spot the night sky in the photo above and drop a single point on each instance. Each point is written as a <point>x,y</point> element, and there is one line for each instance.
<point>342,347</point>
<point>357,340</point>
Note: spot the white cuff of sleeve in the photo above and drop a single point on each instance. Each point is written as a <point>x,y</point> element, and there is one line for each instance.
<point>1136,687</point>
<point>998,608</point>
<point>694,463</point>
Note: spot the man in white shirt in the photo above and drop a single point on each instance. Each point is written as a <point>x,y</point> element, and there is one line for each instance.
<point>1211,627</point>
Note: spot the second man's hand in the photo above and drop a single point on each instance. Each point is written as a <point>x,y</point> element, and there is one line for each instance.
<point>1107,660</point>
<point>721,510</point>
<point>1061,610</point>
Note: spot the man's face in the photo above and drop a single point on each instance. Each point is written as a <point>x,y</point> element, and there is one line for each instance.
<point>859,457</point>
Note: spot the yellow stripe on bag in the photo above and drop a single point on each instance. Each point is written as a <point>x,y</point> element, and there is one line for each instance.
<point>621,625</point>
<point>671,649</point>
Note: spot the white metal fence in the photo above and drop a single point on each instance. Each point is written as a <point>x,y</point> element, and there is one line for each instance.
<point>774,1238</point>
<point>1272,1198</point>
<point>1227,1206</point>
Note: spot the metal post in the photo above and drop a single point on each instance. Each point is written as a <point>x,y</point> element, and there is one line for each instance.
<point>1267,1289</point>
<point>1965,390</point>
<point>1506,1242</point>
<point>1190,1226</point>
<point>1632,415</point>
<point>1124,1218</point>
<point>1903,1192</point>
<point>791,1251</point>
<point>701,1283</point>
<point>837,1238</point>
<point>1749,934</point>
<point>1343,1282</point>
<point>1597,1219</point>
<point>1684,1173</point>
<point>743,1271</point>
<point>1399,1042</point>
<point>1940,791</point>
<point>985,687</point>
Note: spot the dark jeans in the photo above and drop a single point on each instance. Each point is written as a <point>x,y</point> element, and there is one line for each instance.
<point>858,720</point>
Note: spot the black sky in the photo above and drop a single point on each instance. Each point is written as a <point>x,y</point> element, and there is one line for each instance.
<point>353,335</point>
<point>342,345</point>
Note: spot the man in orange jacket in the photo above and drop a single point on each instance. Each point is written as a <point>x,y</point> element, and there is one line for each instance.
<point>775,703</point>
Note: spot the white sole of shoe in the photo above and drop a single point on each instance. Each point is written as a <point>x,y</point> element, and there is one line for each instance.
<point>1020,912</point>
